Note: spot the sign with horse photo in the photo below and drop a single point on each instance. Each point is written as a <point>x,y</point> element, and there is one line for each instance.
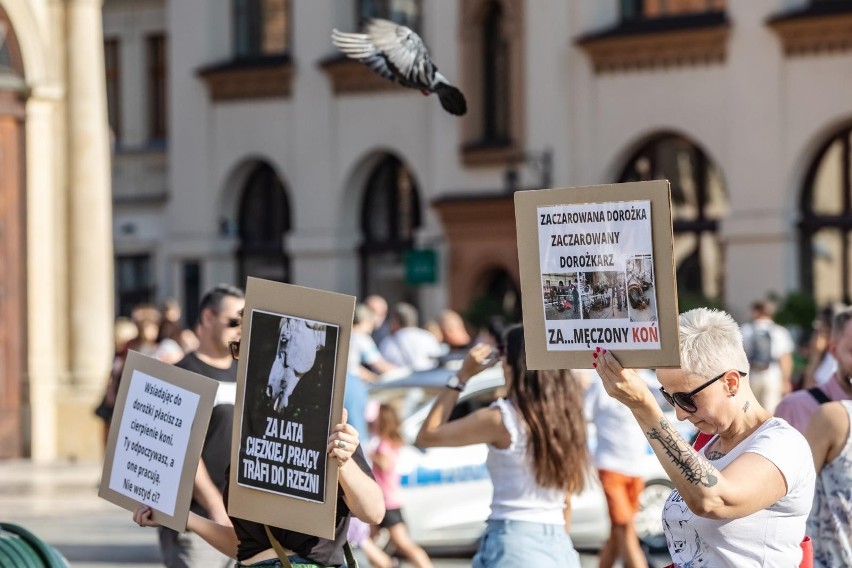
<point>290,382</point>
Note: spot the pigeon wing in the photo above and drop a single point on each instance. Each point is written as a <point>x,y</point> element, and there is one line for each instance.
<point>360,47</point>
<point>405,52</point>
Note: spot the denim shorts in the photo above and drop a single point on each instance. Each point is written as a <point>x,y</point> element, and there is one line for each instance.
<point>296,561</point>
<point>511,544</point>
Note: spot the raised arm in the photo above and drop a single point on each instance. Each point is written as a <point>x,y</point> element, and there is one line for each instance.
<point>483,426</point>
<point>748,484</point>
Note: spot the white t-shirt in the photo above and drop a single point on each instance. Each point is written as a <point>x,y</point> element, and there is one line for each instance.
<point>769,537</point>
<point>620,444</point>
<point>781,344</point>
<point>411,347</point>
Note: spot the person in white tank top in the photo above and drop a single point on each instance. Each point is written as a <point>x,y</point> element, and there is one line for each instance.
<point>829,523</point>
<point>537,455</point>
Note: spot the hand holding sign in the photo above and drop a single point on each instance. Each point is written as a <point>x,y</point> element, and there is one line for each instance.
<point>343,440</point>
<point>143,516</point>
<point>154,445</point>
<point>624,385</point>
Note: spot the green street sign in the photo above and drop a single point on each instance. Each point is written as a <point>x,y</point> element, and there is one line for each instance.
<point>421,267</point>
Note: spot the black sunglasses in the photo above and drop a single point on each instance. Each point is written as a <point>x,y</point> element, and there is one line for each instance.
<point>685,400</point>
<point>234,348</point>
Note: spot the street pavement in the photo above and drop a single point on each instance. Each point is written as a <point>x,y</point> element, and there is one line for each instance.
<point>59,504</point>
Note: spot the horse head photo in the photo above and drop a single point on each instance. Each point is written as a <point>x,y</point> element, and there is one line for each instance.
<point>295,354</point>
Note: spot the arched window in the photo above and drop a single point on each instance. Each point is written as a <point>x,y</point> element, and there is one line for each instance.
<point>264,220</point>
<point>699,201</point>
<point>825,235</point>
<point>495,77</point>
<point>390,214</point>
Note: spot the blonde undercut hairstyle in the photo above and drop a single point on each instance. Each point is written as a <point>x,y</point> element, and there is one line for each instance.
<point>711,343</point>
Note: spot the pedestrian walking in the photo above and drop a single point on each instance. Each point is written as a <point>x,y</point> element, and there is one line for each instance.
<point>769,348</point>
<point>385,458</point>
<point>220,323</point>
<point>744,498</point>
<point>619,449</point>
<point>537,455</point>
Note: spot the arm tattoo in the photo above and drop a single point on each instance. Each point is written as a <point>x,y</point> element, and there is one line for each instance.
<point>694,469</point>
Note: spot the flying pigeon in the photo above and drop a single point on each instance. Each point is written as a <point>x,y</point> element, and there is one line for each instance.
<point>398,54</point>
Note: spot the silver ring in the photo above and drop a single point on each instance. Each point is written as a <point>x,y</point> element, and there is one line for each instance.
<point>341,444</point>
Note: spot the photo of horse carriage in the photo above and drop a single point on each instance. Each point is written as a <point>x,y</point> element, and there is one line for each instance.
<point>560,296</point>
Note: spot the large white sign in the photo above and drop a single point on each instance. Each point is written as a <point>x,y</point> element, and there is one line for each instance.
<point>597,276</point>
<point>152,441</point>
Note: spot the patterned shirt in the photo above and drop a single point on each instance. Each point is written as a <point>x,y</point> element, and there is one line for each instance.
<point>830,521</point>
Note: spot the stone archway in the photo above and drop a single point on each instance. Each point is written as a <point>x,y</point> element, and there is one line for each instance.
<point>12,246</point>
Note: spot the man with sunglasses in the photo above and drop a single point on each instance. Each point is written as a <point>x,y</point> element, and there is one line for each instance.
<point>219,324</point>
<point>744,498</point>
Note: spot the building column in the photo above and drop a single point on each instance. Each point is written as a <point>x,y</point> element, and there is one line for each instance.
<point>90,261</point>
<point>46,350</point>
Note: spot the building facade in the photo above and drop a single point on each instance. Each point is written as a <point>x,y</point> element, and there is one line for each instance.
<point>56,277</point>
<point>287,161</point>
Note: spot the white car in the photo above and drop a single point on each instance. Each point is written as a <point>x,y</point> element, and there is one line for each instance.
<point>446,492</point>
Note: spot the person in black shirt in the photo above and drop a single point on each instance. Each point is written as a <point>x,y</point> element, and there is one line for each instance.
<point>219,323</point>
<point>358,495</point>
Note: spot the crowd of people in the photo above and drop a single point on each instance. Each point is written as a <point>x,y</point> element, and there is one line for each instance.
<point>767,482</point>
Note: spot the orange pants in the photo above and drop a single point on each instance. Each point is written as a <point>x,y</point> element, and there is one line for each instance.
<point>622,495</point>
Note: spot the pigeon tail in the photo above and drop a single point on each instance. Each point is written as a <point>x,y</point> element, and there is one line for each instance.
<point>451,98</point>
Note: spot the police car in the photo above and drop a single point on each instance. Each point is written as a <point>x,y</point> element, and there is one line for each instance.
<point>446,492</point>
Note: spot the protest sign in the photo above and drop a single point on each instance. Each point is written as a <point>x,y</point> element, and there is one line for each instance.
<point>158,427</point>
<point>597,271</point>
<point>290,383</point>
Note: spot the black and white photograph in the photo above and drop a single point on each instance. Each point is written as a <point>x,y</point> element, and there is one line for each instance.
<point>288,393</point>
